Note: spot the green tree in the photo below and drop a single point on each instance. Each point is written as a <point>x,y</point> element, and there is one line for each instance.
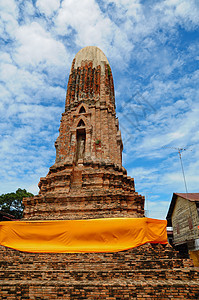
<point>12,202</point>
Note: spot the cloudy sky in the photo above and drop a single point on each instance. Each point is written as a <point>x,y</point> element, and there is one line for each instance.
<point>153,50</point>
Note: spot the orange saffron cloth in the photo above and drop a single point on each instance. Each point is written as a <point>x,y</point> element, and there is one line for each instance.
<point>75,236</point>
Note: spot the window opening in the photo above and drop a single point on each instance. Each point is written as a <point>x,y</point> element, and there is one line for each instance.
<point>81,123</point>
<point>82,110</point>
<point>81,140</point>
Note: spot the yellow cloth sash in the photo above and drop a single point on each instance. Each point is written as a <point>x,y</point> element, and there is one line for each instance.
<point>91,235</point>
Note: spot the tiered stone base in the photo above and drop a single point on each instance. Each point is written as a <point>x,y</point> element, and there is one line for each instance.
<point>84,192</point>
<point>146,272</point>
<point>83,206</point>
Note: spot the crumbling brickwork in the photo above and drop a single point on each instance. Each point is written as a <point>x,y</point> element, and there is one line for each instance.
<point>87,179</point>
<point>146,272</point>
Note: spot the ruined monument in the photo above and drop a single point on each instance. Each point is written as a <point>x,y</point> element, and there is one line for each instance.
<point>88,181</point>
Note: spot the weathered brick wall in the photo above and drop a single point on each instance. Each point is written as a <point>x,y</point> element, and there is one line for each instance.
<point>59,290</point>
<point>90,79</point>
<point>146,272</point>
<point>103,138</point>
<point>87,192</point>
<point>84,207</point>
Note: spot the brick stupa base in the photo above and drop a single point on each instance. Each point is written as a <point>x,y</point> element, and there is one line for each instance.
<point>84,192</point>
<point>145,272</point>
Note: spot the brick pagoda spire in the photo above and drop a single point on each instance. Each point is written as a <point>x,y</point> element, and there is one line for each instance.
<point>87,179</point>
<point>89,131</point>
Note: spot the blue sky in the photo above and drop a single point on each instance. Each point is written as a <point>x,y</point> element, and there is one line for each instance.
<point>153,50</point>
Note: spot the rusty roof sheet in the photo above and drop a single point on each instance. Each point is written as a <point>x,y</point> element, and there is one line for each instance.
<point>190,196</point>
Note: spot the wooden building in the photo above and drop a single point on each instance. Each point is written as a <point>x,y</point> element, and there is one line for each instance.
<point>183,216</point>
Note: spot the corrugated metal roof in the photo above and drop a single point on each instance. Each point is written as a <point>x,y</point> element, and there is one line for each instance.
<point>190,196</point>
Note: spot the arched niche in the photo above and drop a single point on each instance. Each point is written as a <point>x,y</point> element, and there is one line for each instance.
<point>81,143</point>
<point>81,123</point>
<point>82,110</point>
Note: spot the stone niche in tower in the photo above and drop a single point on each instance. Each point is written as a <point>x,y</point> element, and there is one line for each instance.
<point>87,179</point>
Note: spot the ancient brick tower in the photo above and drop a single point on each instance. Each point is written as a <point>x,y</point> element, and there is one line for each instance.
<point>87,179</point>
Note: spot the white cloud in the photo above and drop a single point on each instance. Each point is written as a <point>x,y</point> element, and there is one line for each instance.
<point>48,7</point>
<point>92,27</point>
<point>9,7</point>
<point>184,12</point>
<point>28,9</point>
<point>157,211</point>
<point>8,19</point>
<point>37,46</point>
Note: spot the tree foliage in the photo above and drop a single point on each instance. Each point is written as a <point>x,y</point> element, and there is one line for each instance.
<point>12,202</point>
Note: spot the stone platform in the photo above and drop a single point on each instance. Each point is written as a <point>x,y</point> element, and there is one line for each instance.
<point>84,192</point>
<point>145,272</point>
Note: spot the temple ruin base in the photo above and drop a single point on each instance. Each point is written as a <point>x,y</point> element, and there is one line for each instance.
<point>145,272</point>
